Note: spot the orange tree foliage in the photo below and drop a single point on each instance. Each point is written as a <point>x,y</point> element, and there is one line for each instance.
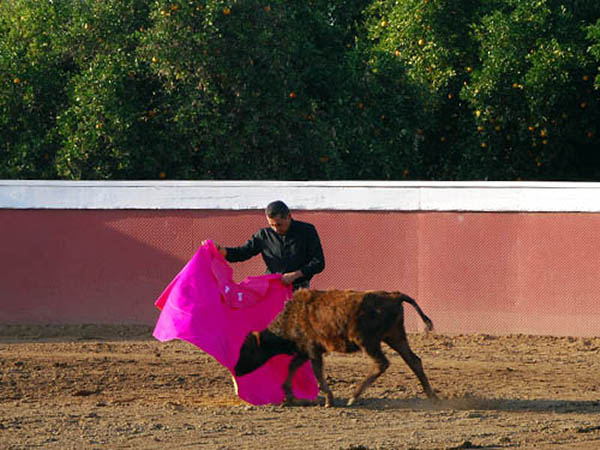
<point>280,89</point>
<point>508,84</point>
<point>319,89</point>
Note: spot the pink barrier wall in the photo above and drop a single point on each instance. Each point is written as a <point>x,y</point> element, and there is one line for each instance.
<point>479,272</point>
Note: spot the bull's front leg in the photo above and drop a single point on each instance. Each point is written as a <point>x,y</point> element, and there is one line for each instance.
<point>317,365</point>
<point>290,399</point>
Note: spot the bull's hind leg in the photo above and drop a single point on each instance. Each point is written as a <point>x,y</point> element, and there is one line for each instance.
<point>397,340</point>
<point>381,364</point>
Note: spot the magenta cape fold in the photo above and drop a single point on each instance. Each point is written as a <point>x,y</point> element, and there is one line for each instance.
<point>204,306</point>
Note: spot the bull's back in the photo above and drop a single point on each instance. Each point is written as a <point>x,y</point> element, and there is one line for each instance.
<point>336,320</point>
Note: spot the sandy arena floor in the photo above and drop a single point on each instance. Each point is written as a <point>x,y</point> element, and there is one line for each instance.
<point>86,387</point>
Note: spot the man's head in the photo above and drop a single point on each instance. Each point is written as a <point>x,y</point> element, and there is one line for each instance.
<point>279,217</point>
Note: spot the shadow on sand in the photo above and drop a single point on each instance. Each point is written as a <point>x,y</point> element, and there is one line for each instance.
<point>479,403</point>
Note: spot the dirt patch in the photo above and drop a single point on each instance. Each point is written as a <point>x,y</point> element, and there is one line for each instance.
<point>90,386</point>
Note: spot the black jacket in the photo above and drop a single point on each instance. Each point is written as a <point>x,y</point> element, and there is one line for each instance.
<point>299,249</point>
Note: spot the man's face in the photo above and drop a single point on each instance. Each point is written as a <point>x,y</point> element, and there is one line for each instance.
<point>280,225</point>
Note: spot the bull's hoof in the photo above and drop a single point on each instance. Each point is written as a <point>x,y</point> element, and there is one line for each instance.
<point>434,398</point>
<point>329,403</point>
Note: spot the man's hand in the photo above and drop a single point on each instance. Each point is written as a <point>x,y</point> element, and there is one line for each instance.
<point>290,277</point>
<point>221,250</point>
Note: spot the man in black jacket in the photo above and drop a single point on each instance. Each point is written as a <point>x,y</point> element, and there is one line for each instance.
<point>288,246</point>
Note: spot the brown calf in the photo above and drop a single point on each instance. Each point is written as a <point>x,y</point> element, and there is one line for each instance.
<point>316,322</point>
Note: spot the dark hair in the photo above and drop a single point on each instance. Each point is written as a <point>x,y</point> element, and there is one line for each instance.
<point>277,209</point>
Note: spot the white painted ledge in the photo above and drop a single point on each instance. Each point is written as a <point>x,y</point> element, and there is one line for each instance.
<point>303,195</point>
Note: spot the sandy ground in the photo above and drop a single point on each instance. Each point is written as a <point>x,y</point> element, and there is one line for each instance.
<point>86,387</point>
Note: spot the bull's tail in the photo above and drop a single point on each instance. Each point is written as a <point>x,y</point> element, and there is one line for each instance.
<point>426,320</point>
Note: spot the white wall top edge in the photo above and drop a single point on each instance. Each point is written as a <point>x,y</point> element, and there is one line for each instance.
<point>303,195</point>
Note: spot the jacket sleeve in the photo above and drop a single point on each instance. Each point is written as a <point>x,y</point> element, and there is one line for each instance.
<point>316,261</point>
<point>251,248</point>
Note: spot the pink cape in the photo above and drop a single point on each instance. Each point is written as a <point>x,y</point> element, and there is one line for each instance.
<point>204,306</point>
